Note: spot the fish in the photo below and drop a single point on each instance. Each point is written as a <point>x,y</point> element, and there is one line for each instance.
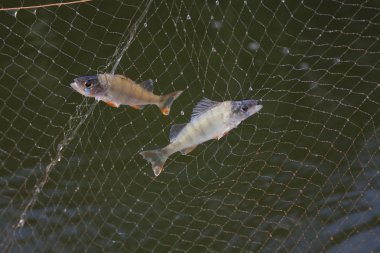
<point>116,90</point>
<point>209,120</point>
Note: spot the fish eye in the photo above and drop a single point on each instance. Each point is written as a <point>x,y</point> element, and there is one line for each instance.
<point>87,84</point>
<point>244,108</point>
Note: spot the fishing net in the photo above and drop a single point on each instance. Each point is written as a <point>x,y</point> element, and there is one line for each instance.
<point>302,175</point>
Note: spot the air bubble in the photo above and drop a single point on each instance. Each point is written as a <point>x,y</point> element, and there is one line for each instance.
<point>188,17</point>
<point>304,66</point>
<point>13,13</point>
<point>182,113</point>
<point>313,85</point>
<point>21,223</point>
<point>250,89</point>
<point>217,2</point>
<point>217,24</point>
<point>245,2</point>
<point>145,24</point>
<point>253,46</point>
<point>213,50</point>
<point>285,50</point>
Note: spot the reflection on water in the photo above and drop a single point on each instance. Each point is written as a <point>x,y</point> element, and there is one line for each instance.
<point>300,176</point>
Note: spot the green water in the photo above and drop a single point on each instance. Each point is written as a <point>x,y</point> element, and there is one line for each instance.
<point>300,176</point>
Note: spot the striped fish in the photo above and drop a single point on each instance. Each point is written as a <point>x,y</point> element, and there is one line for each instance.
<point>209,120</point>
<point>116,90</point>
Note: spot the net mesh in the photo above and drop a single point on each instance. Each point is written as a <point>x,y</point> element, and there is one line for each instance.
<point>302,175</point>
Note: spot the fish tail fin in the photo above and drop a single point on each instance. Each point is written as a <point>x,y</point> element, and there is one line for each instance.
<point>157,158</point>
<point>167,101</point>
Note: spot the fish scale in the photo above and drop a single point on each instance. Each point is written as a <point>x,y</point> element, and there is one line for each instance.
<point>203,128</point>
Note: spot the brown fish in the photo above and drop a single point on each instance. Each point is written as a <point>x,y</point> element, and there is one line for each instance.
<point>116,90</point>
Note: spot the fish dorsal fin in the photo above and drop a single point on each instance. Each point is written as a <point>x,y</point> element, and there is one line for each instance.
<point>175,130</point>
<point>147,85</point>
<point>203,106</point>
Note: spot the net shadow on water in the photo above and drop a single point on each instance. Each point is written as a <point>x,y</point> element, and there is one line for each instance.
<point>302,175</point>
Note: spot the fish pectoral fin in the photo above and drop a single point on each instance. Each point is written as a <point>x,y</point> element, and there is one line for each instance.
<point>112,104</point>
<point>147,85</point>
<point>222,135</point>
<point>137,107</point>
<point>175,130</point>
<point>187,150</point>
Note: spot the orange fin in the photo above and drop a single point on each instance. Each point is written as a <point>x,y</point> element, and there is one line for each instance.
<point>157,170</point>
<point>112,104</point>
<point>188,150</point>
<point>157,158</point>
<point>167,101</point>
<point>165,111</point>
<point>137,107</point>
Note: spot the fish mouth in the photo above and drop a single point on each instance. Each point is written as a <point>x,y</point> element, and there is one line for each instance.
<point>255,109</point>
<point>255,105</point>
<point>77,88</point>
